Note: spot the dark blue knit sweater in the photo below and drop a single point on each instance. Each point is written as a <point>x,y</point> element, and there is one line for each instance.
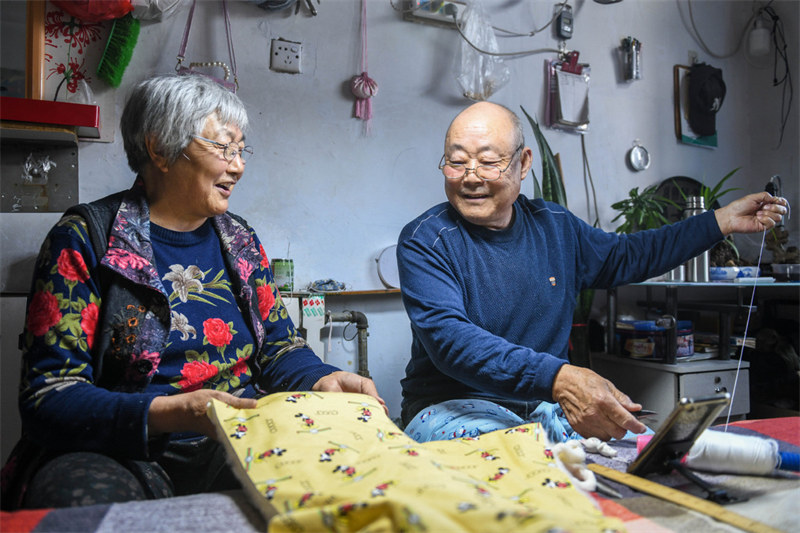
<point>491,311</point>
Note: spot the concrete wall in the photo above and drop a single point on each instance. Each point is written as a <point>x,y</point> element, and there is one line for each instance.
<point>334,198</point>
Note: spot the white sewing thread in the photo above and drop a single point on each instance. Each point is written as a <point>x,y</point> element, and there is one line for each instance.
<point>595,445</point>
<point>749,312</point>
<point>716,451</point>
<point>571,457</point>
<point>746,329</point>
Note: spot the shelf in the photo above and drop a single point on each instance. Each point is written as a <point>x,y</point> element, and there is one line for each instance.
<point>670,306</point>
<point>729,284</point>
<point>84,118</point>
<point>368,292</point>
<point>715,307</point>
<point>680,367</point>
<point>25,132</point>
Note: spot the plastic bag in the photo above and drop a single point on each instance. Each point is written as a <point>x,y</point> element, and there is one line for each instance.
<point>480,75</point>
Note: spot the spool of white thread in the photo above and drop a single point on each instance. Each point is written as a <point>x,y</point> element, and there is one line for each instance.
<point>715,451</point>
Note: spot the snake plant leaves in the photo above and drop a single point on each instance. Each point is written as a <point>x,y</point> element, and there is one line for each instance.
<point>552,184</point>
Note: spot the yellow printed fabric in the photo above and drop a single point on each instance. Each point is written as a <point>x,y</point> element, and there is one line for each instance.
<point>315,462</point>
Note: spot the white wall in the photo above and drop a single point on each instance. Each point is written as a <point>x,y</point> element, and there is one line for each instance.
<point>335,198</point>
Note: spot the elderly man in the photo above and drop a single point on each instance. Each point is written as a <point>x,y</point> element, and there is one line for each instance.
<point>490,278</point>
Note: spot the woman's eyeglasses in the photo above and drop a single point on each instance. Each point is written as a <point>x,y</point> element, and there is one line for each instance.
<point>230,150</point>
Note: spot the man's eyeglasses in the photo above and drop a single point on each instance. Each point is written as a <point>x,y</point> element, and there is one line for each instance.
<point>454,171</point>
<point>230,150</point>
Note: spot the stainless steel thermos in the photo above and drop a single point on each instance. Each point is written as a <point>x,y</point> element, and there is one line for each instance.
<point>697,267</point>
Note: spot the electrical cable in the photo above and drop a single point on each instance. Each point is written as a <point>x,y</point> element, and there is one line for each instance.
<point>511,33</point>
<point>779,41</point>
<point>705,46</point>
<point>535,31</point>
<point>588,172</point>
<point>344,333</point>
<point>503,54</point>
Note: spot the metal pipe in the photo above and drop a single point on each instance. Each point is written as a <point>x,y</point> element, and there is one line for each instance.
<point>360,320</point>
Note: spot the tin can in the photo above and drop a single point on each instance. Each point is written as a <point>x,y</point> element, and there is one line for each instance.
<point>283,272</point>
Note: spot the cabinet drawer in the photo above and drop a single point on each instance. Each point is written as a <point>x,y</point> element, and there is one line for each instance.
<point>702,384</point>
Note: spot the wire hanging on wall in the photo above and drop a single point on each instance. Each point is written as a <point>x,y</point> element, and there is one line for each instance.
<point>779,41</point>
<point>509,33</point>
<point>696,34</point>
<point>768,14</point>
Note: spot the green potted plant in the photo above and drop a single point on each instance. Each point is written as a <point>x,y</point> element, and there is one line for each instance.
<point>642,210</point>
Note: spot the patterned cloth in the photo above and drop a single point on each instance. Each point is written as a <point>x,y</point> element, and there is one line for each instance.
<point>455,419</point>
<point>772,501</point>
<point>335,462</point>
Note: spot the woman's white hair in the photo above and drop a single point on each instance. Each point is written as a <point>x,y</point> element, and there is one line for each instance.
<point>170,109</point>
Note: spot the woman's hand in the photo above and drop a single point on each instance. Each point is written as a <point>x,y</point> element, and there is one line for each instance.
<point>187,411</point>
<point>342,381</point>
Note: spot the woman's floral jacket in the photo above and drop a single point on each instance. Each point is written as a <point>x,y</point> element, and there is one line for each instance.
<point>96,326</point>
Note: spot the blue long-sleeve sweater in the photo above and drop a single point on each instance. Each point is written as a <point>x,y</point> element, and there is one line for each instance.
<point>491,311</point>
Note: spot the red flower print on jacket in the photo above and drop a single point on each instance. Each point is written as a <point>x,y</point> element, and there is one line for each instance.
<point>239,368</point>
<point>217,332</point>
<point>266,300</point>
<point>89,322</point>
<point>264,258</point>
<point>43,313</point>
<point>72,266</point>
<point>195,373</point>
<point>123,259</point>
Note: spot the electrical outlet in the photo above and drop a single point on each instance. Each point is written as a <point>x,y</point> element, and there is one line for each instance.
<point>436,12</point>
<point>285,56</point>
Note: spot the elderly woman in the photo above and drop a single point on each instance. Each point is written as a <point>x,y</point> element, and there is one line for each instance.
<point>145,305</point>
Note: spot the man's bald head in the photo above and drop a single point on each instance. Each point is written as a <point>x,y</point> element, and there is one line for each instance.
<point>499,114</point>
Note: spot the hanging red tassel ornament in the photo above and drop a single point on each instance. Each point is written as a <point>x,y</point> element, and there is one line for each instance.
<point>363,88</point>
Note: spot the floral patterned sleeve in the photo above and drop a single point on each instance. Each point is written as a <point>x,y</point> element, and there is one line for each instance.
<point>59,403</point>
<point>287,362</point>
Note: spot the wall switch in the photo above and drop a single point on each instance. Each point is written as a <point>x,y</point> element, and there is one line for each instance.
<point>285,56</point>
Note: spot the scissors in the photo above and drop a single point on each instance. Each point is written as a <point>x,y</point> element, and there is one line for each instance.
<point>644,413</point>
